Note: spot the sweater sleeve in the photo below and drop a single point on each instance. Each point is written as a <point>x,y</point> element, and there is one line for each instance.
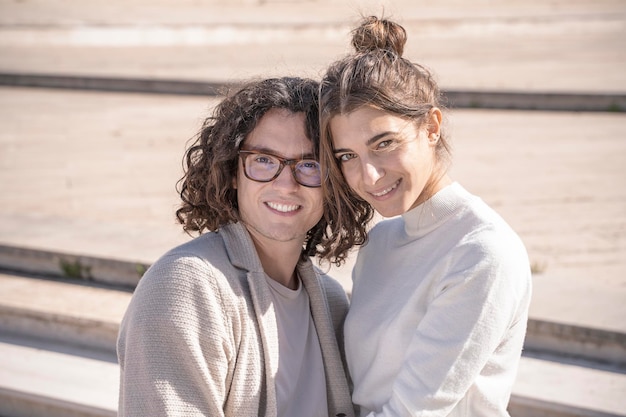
<point>475,304</point>
<point>174,348</point>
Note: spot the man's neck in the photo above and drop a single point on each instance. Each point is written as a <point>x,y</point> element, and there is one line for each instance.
<point>279,261</point>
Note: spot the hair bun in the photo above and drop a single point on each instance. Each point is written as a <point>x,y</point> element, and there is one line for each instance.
<point>374,34</point>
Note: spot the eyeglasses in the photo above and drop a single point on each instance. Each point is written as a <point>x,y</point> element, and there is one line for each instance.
<point>265,167</point>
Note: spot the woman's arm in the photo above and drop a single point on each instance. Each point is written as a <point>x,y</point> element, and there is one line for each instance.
<point>475,305</point>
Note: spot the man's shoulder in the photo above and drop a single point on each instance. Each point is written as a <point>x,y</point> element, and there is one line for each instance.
<point>200,259</point>
<point>331,286</point>
<point>205,246</point>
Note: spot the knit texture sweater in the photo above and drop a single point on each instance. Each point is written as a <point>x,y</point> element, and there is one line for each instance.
<point>438,311</point>
<point>200,338</point>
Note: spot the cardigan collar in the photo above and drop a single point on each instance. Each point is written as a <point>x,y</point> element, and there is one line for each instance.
<point>243,255</point>
<point>240,248</point>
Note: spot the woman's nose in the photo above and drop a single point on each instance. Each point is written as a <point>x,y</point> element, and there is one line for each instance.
<point>372,173</point>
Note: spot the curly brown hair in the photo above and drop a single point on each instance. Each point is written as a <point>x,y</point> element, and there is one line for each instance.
<point>375,75</point>
<point>209,200</point>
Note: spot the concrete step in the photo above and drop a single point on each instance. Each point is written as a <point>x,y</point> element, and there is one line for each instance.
<point>78,267</point>
<point>43,378</point>
<point>514,45</point>
<point>64,311</point>
<point>95,324</point>
<point>39,378</point>
<point>456,98</point>
<point>57,358</point>
<point>553,386</point>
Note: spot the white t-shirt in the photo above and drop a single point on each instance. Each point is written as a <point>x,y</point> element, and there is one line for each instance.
<point>300,380</point>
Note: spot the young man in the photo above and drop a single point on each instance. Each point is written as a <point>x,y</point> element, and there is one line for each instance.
<point>238,322</point>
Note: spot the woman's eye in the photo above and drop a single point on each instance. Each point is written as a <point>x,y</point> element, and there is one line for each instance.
<point>384,144</point>
<point>346,157</point>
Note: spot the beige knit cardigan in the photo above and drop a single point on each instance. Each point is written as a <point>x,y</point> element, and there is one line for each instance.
<point>199,337</point>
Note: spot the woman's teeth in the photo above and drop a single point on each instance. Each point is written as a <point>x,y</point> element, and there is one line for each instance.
<point>385,191</point>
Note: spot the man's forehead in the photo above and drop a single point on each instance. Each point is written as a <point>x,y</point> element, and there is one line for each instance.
<point>280,132</point>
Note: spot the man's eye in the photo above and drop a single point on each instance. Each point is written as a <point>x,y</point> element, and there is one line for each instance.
<point>263,159</point>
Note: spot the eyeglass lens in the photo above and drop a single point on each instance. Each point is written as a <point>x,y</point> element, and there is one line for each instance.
<point>263,167</point>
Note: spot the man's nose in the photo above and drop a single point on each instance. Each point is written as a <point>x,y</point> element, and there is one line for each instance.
<point>285,179</point>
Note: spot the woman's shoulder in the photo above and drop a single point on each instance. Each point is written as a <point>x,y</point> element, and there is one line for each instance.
<point>486,241</point>
<point>385,228</point>
<point>486,226</point>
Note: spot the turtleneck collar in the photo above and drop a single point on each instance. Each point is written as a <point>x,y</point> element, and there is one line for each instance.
<point>426,217</point>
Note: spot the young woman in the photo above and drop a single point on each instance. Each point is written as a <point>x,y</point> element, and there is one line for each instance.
<point>441,291</point>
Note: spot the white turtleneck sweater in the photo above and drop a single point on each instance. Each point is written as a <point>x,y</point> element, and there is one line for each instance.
<point>438,312</point>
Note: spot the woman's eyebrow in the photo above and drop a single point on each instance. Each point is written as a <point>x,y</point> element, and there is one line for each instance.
<point>341,150</point>
<point>369,142</point>
<point>375,138</point>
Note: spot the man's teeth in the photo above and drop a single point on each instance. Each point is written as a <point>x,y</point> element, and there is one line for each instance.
<point>385,191</point>
<point>285,208</point>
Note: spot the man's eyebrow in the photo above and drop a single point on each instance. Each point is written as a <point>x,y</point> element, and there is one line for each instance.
<point>263,149</point>
<point>369,142</point>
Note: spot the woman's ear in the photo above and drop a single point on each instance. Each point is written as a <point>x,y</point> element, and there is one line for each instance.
<point>434,125</point>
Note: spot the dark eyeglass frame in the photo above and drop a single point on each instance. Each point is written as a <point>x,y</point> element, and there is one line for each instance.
<point>292,163</point>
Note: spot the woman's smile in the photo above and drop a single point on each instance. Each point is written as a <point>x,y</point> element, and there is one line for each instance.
<point>386,191</point>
